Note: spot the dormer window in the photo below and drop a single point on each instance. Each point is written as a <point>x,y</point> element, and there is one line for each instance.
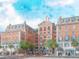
<point>78,19</point>
<point>15,27</point>
<point>67,20</point>
<point>73,19</point>
<point>19,26</point>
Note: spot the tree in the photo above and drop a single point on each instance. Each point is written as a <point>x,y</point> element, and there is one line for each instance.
<point>0,46</point>
<point>74,43</point>
<point>10,46</point>
<point>25,45</point>
<point>51,43</point>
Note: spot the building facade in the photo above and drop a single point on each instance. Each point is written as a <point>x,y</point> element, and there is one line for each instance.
<point>67,30</point>
<point>0,38</point>
<point>46,32</point>
<point>15,33</point>
<point>10,38</point>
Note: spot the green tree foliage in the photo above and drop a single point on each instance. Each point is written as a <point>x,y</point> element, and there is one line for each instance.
<point>0,46</point>
<point>26,45</point>
<point>10,46</point>
<point>51,43</point>
<point>74,43</point>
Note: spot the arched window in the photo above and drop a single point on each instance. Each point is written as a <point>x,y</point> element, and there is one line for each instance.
<point>73,36</point>
<point>67,37</point>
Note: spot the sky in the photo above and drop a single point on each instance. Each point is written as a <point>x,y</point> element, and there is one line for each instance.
<point>35,11</point>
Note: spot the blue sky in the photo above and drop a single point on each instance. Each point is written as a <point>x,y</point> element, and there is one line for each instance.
<point>35,11</point>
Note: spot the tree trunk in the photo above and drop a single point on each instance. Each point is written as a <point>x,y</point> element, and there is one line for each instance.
<point>25,52</point>
<point>53,50</point>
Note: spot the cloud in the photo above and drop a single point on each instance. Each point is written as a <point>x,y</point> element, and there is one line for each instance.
<point>8,14</point>
<point>34,22</point>
<point>16,11</point>
<point>59,2</point>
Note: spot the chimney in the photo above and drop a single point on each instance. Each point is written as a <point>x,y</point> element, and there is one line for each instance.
<point>60,19</point>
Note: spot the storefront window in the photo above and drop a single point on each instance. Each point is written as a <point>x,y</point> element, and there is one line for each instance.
<point>66,44</point>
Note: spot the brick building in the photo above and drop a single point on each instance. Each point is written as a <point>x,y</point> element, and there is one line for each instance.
<point>67,31</point>
<point>46,31</point>
<point>15,33</point>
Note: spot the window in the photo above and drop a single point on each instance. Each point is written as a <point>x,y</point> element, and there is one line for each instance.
<point>48,27</point>
<point>44,32</point>
<point>59,27</point>
<point>18,26</point>
<point>44,36</point>
<point>44,28</point>
<point>49,33</point>
<point>60,45</point>
<point>40,37</point>
<point>73,19</point>
<point>66,27</point>
<point>12,27</point>
<point>73,36</point>
<point>62,20</point>
<point>78,19</point>
<point>66,44</point>
<point>67,20</point>
<point>22,26</point>
<point>15,27</point>
<point>40,33</point>
<point>66,37</point>
<point>74,27</point>
<point>40,29</point>
<point>59,39</point>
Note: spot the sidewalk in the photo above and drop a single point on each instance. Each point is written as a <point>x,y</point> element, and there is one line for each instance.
<point>53,57</point>
<point>48,58</point>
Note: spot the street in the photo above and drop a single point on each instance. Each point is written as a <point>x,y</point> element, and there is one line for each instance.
<point>47,58</point>
<point>11,57</point>
<point>18,57</point>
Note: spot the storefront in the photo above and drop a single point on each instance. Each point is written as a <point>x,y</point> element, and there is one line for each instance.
<point>77,51</point>
<point>60,51</point>
<point>69,52</point>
